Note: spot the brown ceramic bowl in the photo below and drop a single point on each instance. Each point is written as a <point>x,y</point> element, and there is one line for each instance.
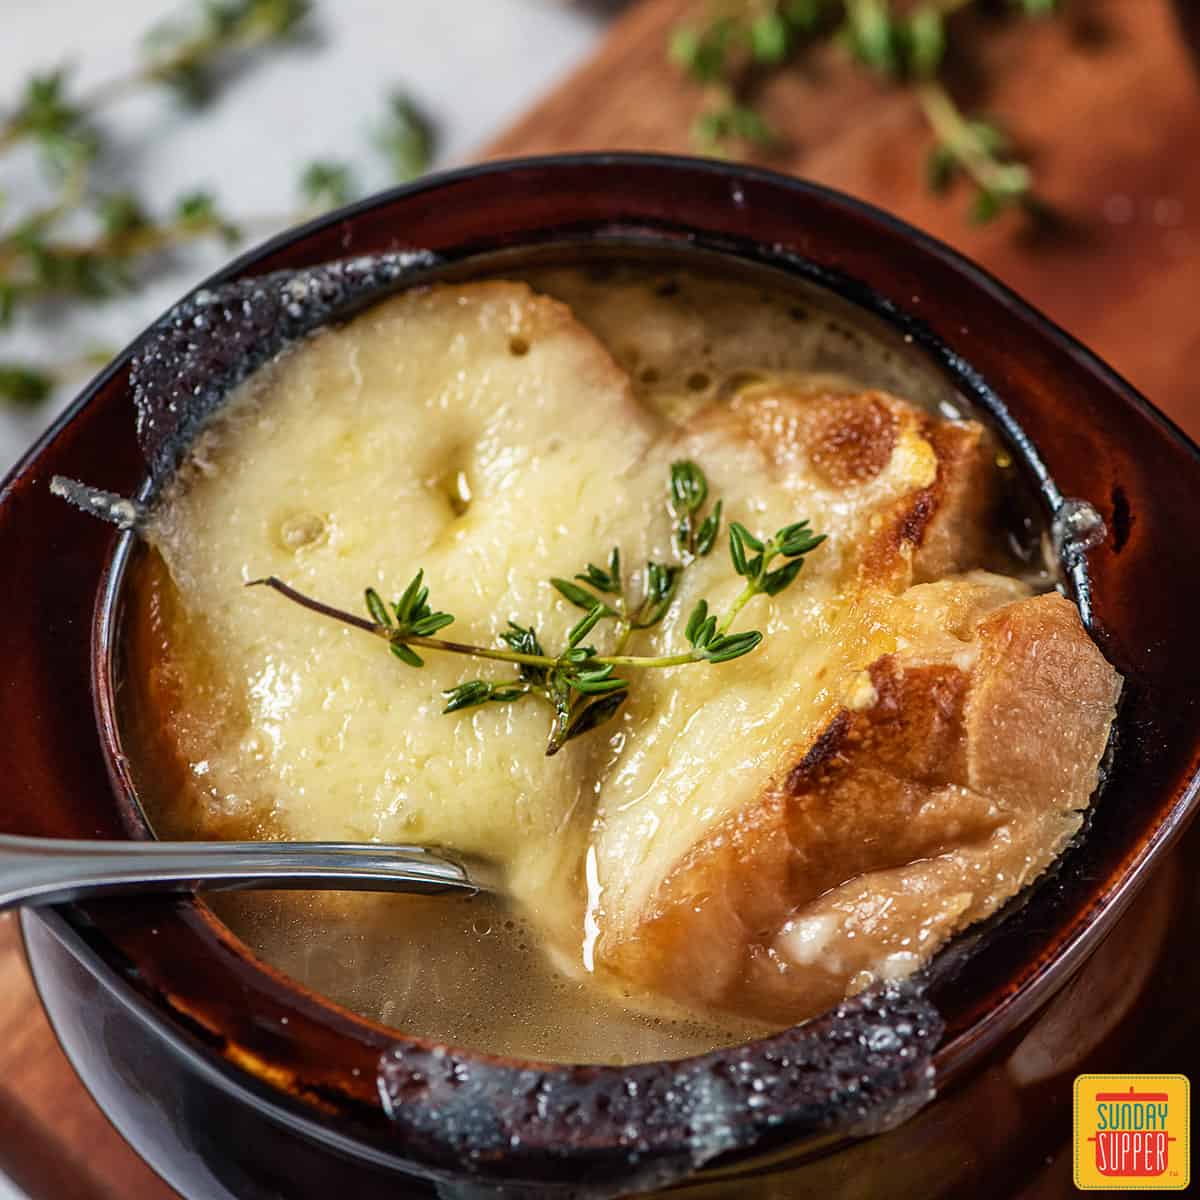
<point>233,1081</point>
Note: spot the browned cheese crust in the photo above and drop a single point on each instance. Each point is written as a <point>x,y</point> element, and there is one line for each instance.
<point>955,777</point>
<point>925,733</point>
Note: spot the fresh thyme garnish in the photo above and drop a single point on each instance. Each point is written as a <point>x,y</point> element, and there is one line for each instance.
<point>581,684</point>
<point>694,535</point>
<point>741,43</point>
<point>85,245</point>
<point>23,387</point>
<point>327,184</point>
<point>186,56</point>
<point>405,138</point>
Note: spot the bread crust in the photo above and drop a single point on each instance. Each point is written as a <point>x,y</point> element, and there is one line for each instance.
<point>995,761</point>
<point>954,774</point>
<point>939,761</point>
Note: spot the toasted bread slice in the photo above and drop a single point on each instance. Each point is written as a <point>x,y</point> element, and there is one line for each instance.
<point>938,761</point>
<point>954,774</point>
<point>912,742</point>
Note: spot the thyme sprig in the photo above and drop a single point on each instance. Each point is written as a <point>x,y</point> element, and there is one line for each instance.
<point>24,386</point>
<point>405,138</point>
<point>740,43</point>
<point>579,683</point>
<point>36,266</point>
<point>694,533</point>
<point>85,246</point>
<point>185,56</point>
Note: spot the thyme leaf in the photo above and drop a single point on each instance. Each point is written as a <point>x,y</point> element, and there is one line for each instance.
<point>112,239</point>
<point>581,685</point>
<point>739,44</point>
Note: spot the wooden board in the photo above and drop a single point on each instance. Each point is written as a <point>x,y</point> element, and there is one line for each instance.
<point>1107,103</point>
<point>55,1143</point>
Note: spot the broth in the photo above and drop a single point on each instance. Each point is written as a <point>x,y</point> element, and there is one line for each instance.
<point>479,972</point>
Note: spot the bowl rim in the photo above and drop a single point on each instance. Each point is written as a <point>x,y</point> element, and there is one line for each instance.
<point>979,276</point>
<point>956,1054</point>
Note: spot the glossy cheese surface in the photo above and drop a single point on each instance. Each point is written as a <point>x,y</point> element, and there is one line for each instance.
<point>702,847</point>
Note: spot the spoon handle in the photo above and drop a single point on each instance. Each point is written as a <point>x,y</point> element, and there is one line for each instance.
<point>38,871</point>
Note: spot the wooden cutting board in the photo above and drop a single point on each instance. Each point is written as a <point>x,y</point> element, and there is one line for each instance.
<point>1107,104</point>
<point>55,1143</point>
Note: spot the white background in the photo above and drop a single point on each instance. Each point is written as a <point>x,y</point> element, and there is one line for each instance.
<point>473,64</point>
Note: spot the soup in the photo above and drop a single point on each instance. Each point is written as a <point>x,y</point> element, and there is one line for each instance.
<point>738,842</point>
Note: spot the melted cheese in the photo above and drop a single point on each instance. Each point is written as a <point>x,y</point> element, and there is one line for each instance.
<point>483,434</point>
<point>339,468</point>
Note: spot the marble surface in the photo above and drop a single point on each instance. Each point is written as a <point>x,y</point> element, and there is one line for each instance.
<point>472,64</point>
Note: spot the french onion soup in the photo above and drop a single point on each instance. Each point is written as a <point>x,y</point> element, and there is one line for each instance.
<point>675,599</point>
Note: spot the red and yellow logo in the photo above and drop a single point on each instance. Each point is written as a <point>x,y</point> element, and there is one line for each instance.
<point>1132,1132</point>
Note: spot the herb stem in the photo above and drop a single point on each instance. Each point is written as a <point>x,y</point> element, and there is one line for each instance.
<point>124,248</point>
<point>578,683</point>
<point>74,186</point>
<point>448,647</point>
<point>199,51</point>
<point>622,639</point>
<point>389,635</point>
<point>634,660</point>
<point>746,595</point>
<point>432,643</point>
<point>318,606</point>
<point>625,624</point>
<point>742,44</point>
<point>127,245</point>
<point>956,134</point>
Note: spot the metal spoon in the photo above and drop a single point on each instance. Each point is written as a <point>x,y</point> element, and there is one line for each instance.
<point>39,871</point>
